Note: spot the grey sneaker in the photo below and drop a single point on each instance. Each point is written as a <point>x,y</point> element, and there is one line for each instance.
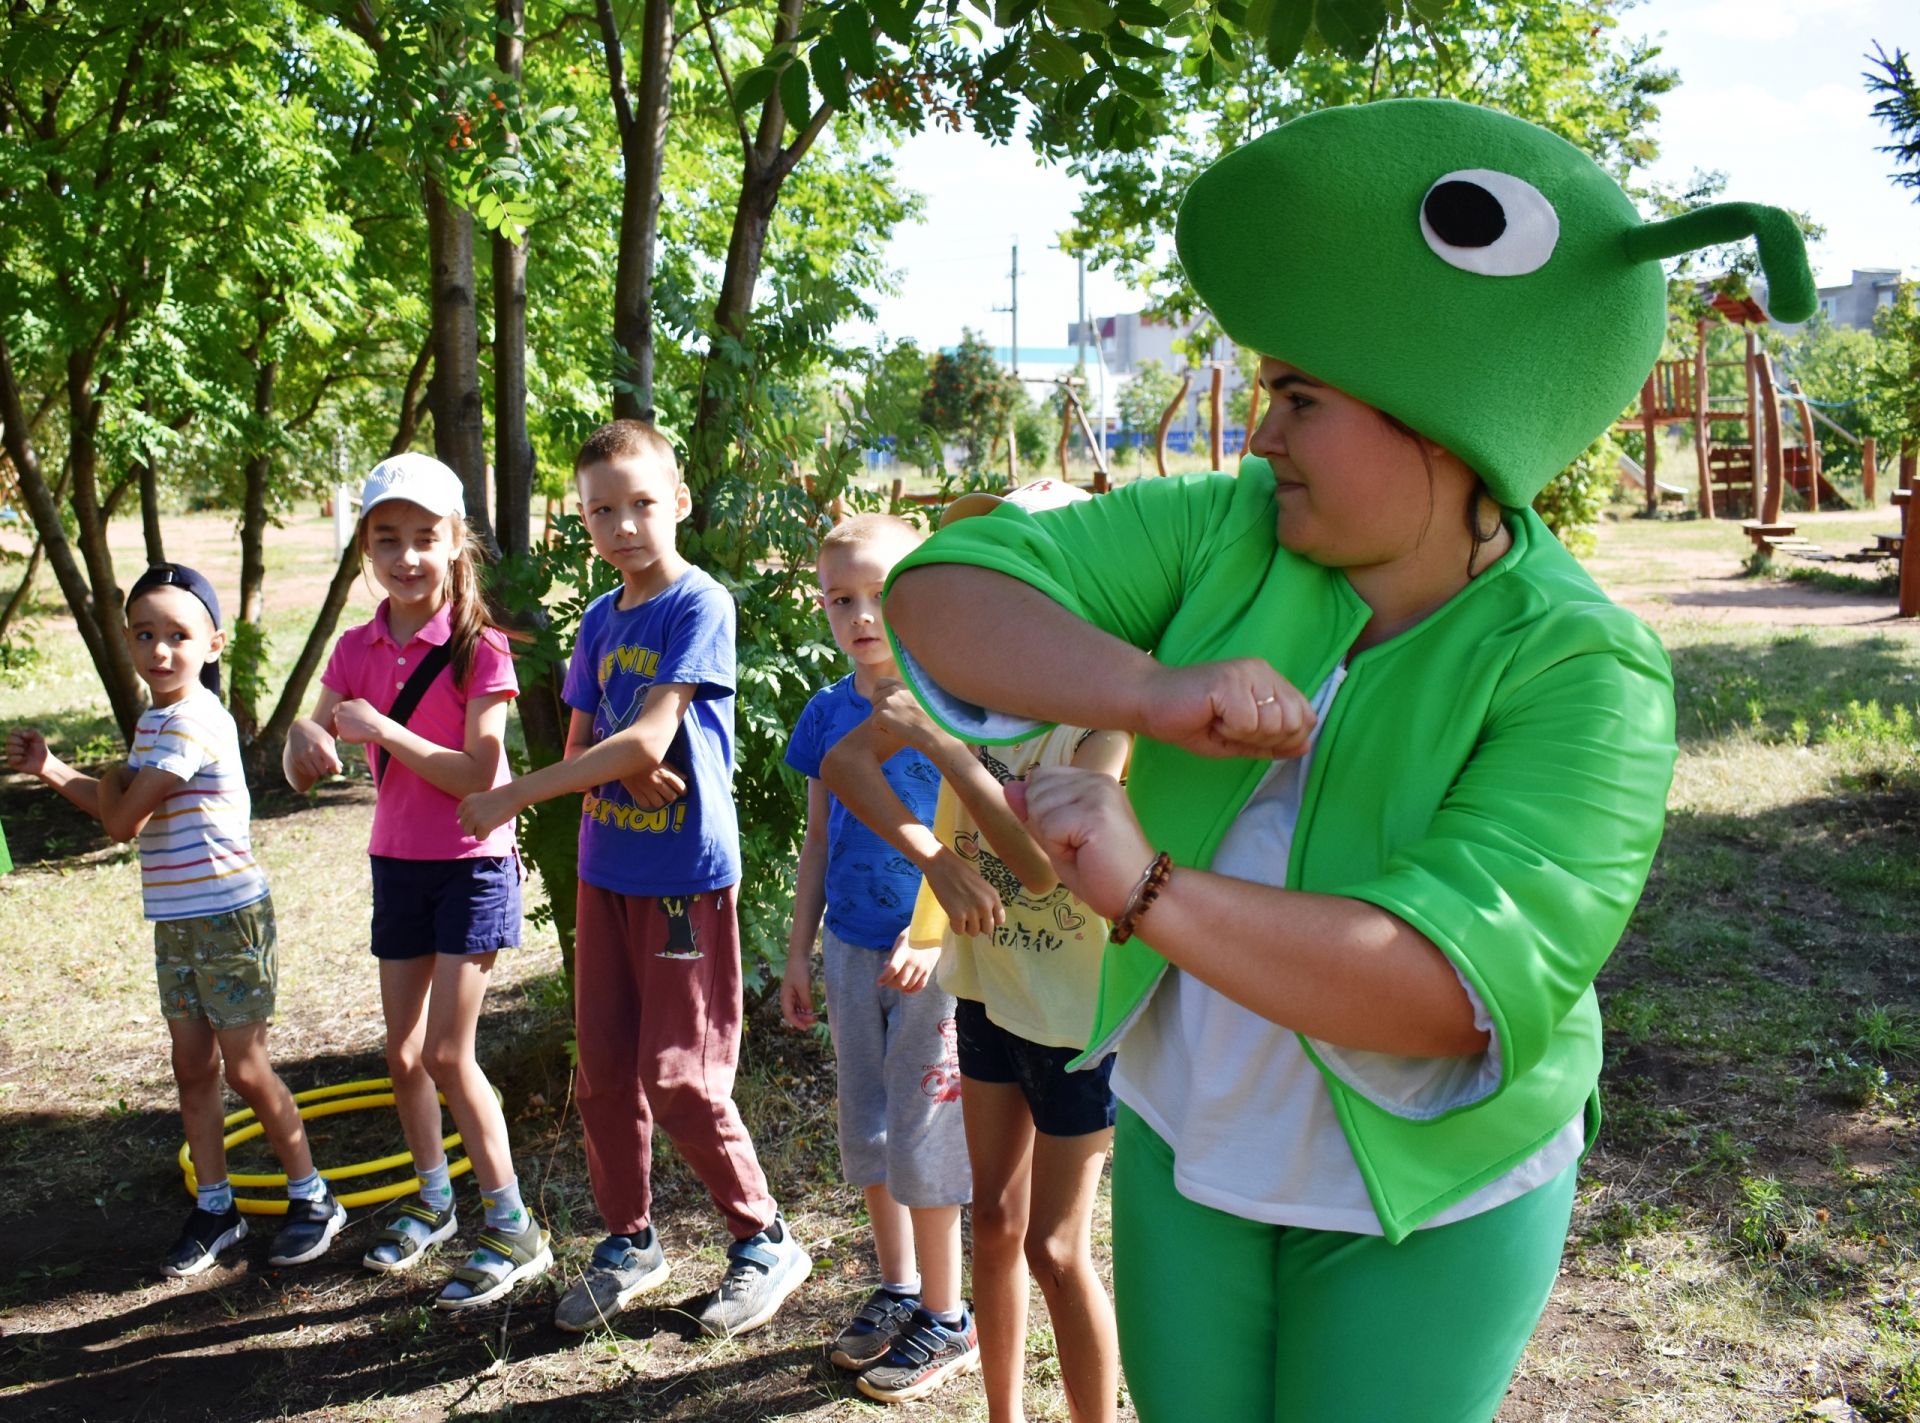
<point>762,1271</point>
<point>865,1341</point>
<point>622,1266</point>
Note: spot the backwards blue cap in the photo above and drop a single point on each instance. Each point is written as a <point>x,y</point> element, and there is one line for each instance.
<point>187,580</point>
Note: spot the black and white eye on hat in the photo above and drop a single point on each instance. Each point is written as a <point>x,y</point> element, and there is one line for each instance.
<point>1487,222</point>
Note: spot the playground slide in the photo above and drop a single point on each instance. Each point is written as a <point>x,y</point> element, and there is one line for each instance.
<point>1633,474</point>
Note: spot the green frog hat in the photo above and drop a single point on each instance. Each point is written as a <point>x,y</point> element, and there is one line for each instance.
<point>1469,273</point>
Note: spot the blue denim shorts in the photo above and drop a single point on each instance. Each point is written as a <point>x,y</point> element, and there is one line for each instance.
<point>1063,1103</point>
<point>423,907</point>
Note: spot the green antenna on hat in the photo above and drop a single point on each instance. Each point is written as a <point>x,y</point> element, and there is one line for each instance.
<point>1783,252</point>
<point>1476,277</point>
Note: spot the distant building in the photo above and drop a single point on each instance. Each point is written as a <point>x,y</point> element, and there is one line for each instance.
<point>1853,305</point>
<point>1127,341</point>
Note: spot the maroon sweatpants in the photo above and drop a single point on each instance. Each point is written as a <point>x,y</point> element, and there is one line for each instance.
<point>656,1006</point>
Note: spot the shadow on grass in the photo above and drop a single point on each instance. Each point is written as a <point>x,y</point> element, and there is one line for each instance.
<point>104,1191</point>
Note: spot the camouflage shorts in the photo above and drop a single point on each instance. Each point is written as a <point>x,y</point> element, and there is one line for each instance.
<point>220,967</point>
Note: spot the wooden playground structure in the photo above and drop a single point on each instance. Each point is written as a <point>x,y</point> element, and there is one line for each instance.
<point>1747,477</point>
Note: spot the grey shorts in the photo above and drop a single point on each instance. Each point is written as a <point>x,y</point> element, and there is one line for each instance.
<point>899,1076</point>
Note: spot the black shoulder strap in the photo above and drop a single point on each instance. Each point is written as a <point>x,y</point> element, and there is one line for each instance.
<point>405,704</point>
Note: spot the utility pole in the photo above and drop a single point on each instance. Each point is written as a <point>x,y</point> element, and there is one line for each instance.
<point>1013,276</point>
<point>1080,345</point>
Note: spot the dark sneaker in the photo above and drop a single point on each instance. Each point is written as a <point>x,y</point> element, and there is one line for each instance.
<point>498,1263</point>
<point>762,1271</point>
<point>924,1355</point>
<point>310,1228</point>
<point>865,1341</point>
<point>412,1228</point>
<point>622,1266</point>
<point>202,1239</point>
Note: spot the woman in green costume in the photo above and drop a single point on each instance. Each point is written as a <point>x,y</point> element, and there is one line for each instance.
<point>1407,763</point>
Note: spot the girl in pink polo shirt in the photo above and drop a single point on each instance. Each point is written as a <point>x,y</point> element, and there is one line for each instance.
<point>444,903</point>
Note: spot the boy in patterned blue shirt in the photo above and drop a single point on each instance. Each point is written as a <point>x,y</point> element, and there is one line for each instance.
<point>901,1137</point>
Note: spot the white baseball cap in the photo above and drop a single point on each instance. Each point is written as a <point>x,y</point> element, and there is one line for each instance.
<point>418,479</point>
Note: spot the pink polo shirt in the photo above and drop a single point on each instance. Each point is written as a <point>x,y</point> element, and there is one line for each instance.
<point>413,820</point>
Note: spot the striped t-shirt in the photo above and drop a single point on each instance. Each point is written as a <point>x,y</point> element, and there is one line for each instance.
<point>196,851</point>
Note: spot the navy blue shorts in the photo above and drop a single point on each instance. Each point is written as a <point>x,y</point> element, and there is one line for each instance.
<point>423,907</point>
<point>1063,1103</point>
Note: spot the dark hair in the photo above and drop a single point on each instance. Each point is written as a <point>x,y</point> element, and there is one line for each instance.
<point>468,619</point>
<point>625,439</point>
<point>1481,538</point>
<point>187,580</point>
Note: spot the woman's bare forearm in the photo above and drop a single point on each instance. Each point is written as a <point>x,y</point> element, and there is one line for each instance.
<point>993,655</point>
<point>1341,970</point>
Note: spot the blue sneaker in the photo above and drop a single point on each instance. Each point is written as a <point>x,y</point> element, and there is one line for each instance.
<point>202,1239</point>
<point>924,1355</point>
<point>866,1340</point>
<point>310,1228</point>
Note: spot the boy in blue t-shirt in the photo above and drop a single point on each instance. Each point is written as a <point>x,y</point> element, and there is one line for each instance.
<point>657,993</point>
<point>901,1136</point>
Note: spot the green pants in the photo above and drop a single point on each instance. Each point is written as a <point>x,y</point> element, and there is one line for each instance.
<point>1227,1320</point>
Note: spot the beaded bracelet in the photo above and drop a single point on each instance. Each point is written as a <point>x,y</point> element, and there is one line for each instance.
<point>1151,883</point>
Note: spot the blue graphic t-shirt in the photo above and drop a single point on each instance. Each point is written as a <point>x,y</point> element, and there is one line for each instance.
<point>682,634</point>
<point>870,885</point>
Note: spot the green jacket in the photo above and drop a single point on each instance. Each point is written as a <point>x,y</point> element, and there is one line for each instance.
<point>1496,776</point>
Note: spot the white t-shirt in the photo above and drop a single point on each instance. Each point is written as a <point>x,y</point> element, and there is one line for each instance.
<point>196,850</point>
<point>1248,1115</point>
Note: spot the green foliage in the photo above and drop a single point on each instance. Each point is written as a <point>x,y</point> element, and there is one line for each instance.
<point>1893,380</point>
<point>890,401</point>
<point>1760,1222</point>
<point>1835,366</point>
<point>1572,502</point>
<point>1897,105</point>
<point>969,398</point>
<point>1143,400</point>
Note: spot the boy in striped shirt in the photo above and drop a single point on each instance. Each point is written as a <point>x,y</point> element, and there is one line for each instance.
<point>184,794</point>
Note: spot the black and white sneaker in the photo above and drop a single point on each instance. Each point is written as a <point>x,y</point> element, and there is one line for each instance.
<point>310,1228</point>
<point>202,1239</point>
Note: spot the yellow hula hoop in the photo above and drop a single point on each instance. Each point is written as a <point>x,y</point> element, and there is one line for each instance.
<point>326,1102</point>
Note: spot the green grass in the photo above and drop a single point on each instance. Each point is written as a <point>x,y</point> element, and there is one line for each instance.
<point>1879,585</point>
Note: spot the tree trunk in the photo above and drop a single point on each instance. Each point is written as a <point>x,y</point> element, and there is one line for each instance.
<point>90,594</point>
<point>459,427</point>
<point>21,593</point>
<point>150,511</point>
<point>764,170</point>
<point>248,657</point>
<point>262,754</point>
<point>512,451</point>
<point>643,134</point>
<point>543,717</point>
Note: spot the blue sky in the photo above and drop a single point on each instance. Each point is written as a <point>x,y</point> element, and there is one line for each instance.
<point>1771,95</point>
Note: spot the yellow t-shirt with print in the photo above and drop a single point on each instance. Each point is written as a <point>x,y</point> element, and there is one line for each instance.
<point>1038,974</point>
